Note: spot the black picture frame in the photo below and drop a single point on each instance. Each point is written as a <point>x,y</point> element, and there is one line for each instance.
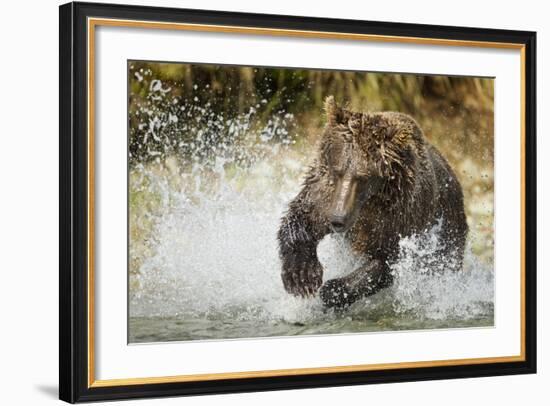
<point>74,199</point>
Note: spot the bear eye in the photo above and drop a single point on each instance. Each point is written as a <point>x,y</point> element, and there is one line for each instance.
<point>338,172</point>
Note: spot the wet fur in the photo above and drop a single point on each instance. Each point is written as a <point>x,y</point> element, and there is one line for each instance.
<point>419,188</point>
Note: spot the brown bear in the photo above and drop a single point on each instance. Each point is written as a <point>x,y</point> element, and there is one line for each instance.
<point>376,179</point>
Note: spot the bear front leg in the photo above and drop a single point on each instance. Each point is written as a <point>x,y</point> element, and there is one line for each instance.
<point>364,281</point>
<point>298,236</point>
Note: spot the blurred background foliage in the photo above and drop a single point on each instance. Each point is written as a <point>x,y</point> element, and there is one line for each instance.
<point>453,111</point>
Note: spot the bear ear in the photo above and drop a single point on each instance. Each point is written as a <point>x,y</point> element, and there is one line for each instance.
<point>334,113</point>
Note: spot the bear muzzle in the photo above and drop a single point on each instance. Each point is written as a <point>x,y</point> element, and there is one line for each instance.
<point>343,205</point>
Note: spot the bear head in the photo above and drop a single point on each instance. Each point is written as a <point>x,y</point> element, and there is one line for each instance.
<point>367,157</point>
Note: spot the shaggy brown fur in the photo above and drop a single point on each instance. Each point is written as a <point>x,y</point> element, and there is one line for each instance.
<point>376,179</point>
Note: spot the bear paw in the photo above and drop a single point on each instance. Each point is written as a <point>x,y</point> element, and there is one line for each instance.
<point>336,293</point>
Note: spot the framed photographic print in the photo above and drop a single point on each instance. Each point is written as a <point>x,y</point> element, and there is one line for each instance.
<point>257,202</point>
